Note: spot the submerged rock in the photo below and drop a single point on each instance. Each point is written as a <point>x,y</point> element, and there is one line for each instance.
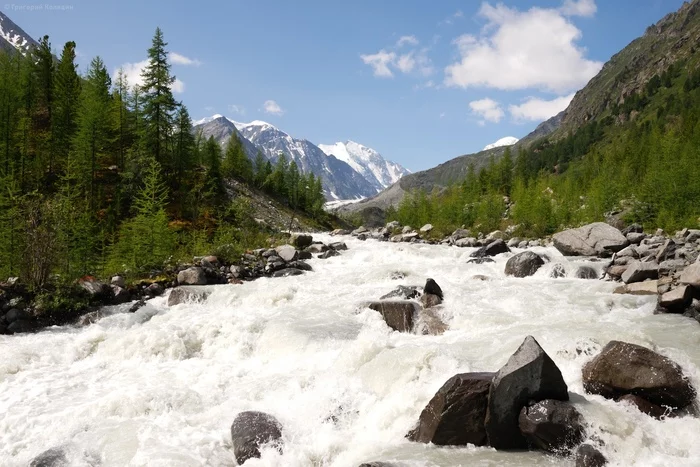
<point>250,431</point>
<point>644,406</point>
<point>588,456</point>
<point>405,292</point>
<point>455,415</point>
<point>622,368</point>
<point>399,315</point>
<point>529,375</point>
<point>552,425</point>
<point>431,287</point>
<point>187,293</point>
<point>523,264</point>
<point>54,457</point>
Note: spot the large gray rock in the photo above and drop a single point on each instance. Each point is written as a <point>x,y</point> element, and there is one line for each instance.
<point>529,375</point>
<point>691,275</point>
<point>94,287</point>
<point>455,415</point>
<point>552,426</point>
<point>286,252</point>
<point>638,271</point>
<point>192,276</point>
<point>187,293</point>
<point>524,264</point>
<point>594,239</point>
<point>492,249</point>
<point>250,431</point>
<point>54,457</point>
<point>399,315</point>
<point>622,368</point>
<point>678,299</point>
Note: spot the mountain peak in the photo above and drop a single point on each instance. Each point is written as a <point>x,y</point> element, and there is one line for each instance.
<point>13,38</point>
<point>507,141</point>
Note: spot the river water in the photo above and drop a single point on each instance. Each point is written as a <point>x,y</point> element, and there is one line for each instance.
<point>160,387</point>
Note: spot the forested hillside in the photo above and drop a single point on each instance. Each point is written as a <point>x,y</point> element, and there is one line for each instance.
<point>100,177</point>
<point>640,156</point>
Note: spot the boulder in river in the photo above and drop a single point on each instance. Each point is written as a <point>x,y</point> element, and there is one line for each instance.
<point>588,456</point>
<point>432,287</point>
<point>429,300</point>
<point>594,239</point>
<point>691,275</point>
<point>398,314</point>
<point>287,272</point>
<point>286,252</point>
<point>552,425</point>
<point>187,293</point>
<point>586,272</point>
<point>405,292</point>
<point>455,415</point>
<point>529,375</point>
<point>678,299</point>
<point>301,241</point>
<point>639,271</point>
<point>523,264</point>
<point>623,368</point>
<point>250,431</point>
<point>192,276</point>
<point>328,254</point>
<point>492,249</point>
<point>54,457</point>
<point>644,406</point>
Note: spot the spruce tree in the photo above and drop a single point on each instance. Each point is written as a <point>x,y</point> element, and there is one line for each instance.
<point>184,157</point>
<point>66,101</point>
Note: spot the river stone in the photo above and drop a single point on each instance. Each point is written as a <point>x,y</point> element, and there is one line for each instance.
<point>338,246</point>
<point>301,241</point>
<point>316,248</point>
<point>250,430</point>
<point>524,264</point>
<point>492,249</point>
<point>529,375</point>
<point>635,238</point>
<point>429,300</point>
<point>54,457</point>
<point>154,290</point>
<point>483,260</point>
<point>15,314</point>
<point>426,228</point>
<point>623,368</point>
<point>187,293</point>
<point>399,315</point>
<point>677,299</point>
<point>638,288</point>
<point>552,425</point>
<point>558,271</point>
<point>288,272</point>
<point>120,295</point>
<point>402,291</point>
<point>644,406</point>
<point>586,272</point>
<point>300,265</point>
<point>431,287</point>
<point>94,287</point>
<point>192,276</point>
<point>590,240</point>
<point>465,242</point>
<point>455,415</point>
<point>639,271</point>
<point>588,456</point>
<point>666,251</point>
<point>691,275</point>
<point>286,252</point>
<point>460,234</point>
<point>119,281</point>
<point>328,254</point>
<point>20,326</point>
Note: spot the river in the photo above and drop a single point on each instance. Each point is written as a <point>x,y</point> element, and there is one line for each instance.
<point>160,387</point>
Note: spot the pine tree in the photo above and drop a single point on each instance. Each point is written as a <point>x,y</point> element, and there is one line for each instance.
<point>158,102</point>
<point>214,185</point>
<point>41,118</point>
<point>66,99</point>
<point>260,166</point>
<point>184,157</point>
<point>236,163</point>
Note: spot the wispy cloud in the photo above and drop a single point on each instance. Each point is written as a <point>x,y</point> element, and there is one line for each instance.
<point>380,63</point>
<point>271,107</point>
<point>238,109</point>
<point>406,40</point>
<point>178,59</point>
<point>488,109</point>
<point>390,59</point>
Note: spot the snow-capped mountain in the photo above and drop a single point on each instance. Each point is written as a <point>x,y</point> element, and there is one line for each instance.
<point>380,172</point>
<point>507,141</point>
<point>340,180</point>
<point>12,37</point>
<point>221,128</point>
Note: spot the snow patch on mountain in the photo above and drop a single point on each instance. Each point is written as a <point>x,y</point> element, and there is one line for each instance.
<point>507,141</point>
<point>13,37</point>
<point>380,172</point>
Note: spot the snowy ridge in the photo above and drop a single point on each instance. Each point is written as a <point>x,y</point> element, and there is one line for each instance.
<point>368,162</point>
<point>507,141</point>
<point>12,37</point>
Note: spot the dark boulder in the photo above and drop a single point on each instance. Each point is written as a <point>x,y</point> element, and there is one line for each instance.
<point>399,315</point>
<point>287,272</point>
<point>634,228</point>
<point>120,295</point>
<point>301,241</point>
<point>588,456</point>
<point>429,300</point>
<point>492,249</point>
<point>524,264</point>
<point>552,426</point>
<point>304,255</point>
<point>20,326</point>
<point>95,288</point>
<point>16,314</point>
<point>455,415</point>
<point>644,406</point>
<point>480,260</point>
<point>154,290</point>
<point>250,431</point>
<point>586,272</point>
<point>328,254</point>
<point>338,246</point>
<point>557,271</point>
<point>622,368</point>
<point>529,375</point>
<point>54,457</point>
<point>405,292</point>
<point>431,287</point>
<point>300,265</point>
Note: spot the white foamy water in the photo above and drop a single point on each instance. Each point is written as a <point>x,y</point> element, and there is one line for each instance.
<point>161,387</point>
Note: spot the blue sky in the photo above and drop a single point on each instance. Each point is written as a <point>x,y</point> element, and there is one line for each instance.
<point>421,82</point>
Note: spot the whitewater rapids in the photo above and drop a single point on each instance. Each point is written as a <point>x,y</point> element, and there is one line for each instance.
<point>161,387</point>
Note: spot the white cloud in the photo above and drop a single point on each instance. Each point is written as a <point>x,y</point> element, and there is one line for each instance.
<point>488,109</point>
<point>579,8</point>
<point>272,107</point>
<point>406,40</point>
<point>536,109</point>
<point>522,49</point>
<point>405,63</point>
<point>132,73</point>
<point>238,109</point>
<point>177,59</point>
<point>380,63</point>
<point>450,19</point>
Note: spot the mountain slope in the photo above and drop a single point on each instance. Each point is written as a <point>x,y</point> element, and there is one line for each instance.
<point>340,180</point>
<point>13,38</point>
<point>221,128</point>
<point>369,163</point>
